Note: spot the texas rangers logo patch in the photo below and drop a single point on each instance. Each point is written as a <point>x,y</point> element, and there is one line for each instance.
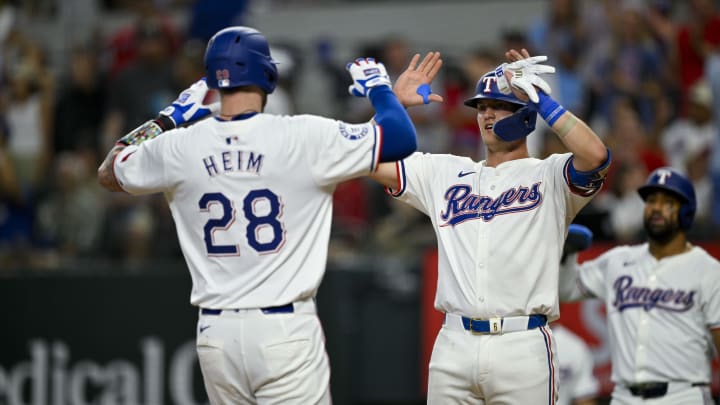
<point>354,132</point>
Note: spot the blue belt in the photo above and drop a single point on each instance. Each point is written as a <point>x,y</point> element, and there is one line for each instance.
<point>483,326</point>
<point>282,309</point>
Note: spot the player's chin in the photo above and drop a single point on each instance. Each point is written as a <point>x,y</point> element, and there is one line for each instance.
<point>488,136</point>
<point>496,140</point>
<point>661,230</point>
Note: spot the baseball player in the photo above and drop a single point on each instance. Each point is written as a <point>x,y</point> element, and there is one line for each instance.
<point>251,196</point>
<point>500,225</point>
<point>663,306</point>
<point>576,381</point>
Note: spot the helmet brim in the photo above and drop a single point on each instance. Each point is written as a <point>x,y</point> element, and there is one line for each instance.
<point>473,101</point>
<point>646,190</point>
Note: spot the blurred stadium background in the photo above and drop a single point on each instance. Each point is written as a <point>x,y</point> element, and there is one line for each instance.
<point>93,287</point>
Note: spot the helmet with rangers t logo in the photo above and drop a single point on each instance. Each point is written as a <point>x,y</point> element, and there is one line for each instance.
<point>516,126</point>
<point>672,181</point>
<point>240,56</point>
<point>487,88</point>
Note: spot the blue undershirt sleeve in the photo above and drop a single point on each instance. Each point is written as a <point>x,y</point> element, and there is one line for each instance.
<point>399,138</point>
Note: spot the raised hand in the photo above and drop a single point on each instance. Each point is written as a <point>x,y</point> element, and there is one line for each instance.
<point>520,76</point>
<point>413,85</point>
<point>189,106</point>
<point>366,74</point>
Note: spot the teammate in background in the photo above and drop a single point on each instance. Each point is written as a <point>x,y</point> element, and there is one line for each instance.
<point>251,195</point>
<point>663,306</point>
<point>576,381</point>
<point>500,225</point>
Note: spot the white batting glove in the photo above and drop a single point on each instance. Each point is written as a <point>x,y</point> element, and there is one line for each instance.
<point>367,74</point>
<point>524,76</point>
<point>190,106</point>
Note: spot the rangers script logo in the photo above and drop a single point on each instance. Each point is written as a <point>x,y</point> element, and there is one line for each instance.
<point>462,205</point>
<point>629,296</point>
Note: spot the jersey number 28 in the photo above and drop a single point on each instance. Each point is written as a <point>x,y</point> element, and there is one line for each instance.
<point>255,222</point>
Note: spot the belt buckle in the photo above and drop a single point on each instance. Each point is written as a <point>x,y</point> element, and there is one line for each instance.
<point>495,326</point>
<point>477,330</point>
<point>471,329</point>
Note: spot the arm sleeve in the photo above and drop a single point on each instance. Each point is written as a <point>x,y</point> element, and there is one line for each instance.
<point>400,139</point>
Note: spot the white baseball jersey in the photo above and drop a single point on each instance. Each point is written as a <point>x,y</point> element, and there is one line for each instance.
<point>252,200</point>
<point>576,378</point>
<point>658,312</point>
<point>500,230</point>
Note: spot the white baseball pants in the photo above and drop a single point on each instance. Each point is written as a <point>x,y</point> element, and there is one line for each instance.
<point>249,357</point>
<point>492,369</point>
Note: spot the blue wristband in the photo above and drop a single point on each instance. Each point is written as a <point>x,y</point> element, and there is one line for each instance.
<point>549,109</point>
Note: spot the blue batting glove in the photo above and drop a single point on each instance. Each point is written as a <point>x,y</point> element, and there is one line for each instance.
<point>189,105</point>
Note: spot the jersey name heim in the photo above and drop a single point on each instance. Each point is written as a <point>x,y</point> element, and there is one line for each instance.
<point>233,161</point>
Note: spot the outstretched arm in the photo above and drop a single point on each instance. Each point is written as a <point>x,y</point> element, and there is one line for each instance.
<point>370,79</point>
<point>412,88</point>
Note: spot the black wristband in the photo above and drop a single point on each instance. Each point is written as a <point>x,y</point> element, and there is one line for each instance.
<point>164,122</point>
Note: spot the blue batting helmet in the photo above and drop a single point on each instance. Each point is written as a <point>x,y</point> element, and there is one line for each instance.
<point>487,88</point>
<point>672,181</point>
<point>240,56</point>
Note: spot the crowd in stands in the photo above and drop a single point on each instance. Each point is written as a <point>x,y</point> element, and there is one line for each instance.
<point>639,71</point>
